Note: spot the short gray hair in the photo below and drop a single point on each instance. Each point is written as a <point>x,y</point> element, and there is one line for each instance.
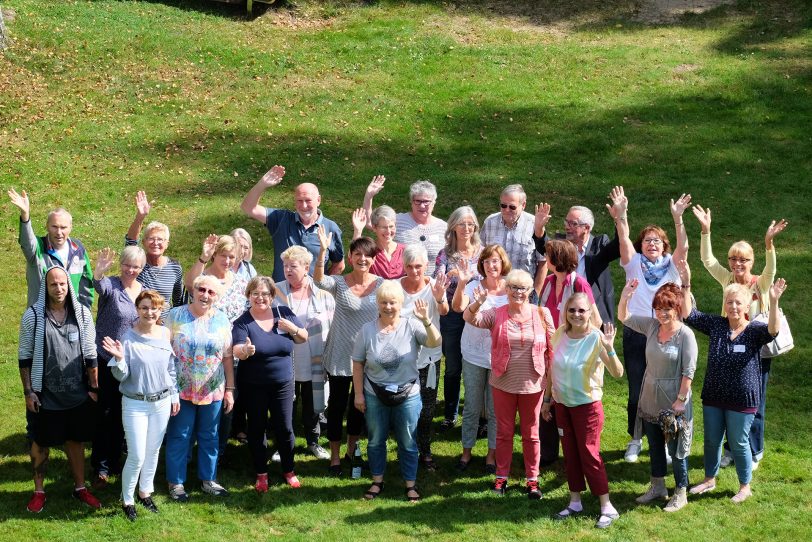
<point>154,225</point>
<point>385,212</point>
<point>423,187</point>
<point>515,188</point>
<point>133,253</point>
<point>586,215</point>
<point>415,252</point>
<point>59,211</point>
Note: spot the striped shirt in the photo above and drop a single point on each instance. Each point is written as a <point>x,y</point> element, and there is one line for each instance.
<point>431,235</point>
<point>167,280</point>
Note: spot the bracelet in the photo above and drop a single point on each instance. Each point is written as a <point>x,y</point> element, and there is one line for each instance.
<point>202,261</point>
<point>686,286</point>
<point>27,392</point>
<point>547,401</point>
<point>230,388</point>
<point>428,323</point>
<point>440,301</point>
<point>297,333</point>
<point>679,223</point>
<point>612,353</point>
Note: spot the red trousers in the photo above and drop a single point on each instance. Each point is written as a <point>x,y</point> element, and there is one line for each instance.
<point>505,406</point>
<point>580,429</point>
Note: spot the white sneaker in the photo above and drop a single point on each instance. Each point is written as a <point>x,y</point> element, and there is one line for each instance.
<point>668,459</point>
<point>318,451</point>
<point>727,459</point>
<point>754,466</point>
<point>213,488</point>
<point>633,450</point>
<point>276,458</point>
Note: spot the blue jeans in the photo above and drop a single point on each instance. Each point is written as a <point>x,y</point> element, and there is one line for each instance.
<point>200,421</point>
<point>737,425</point>
<point>757,428</point>
<point>402,419</point>
<point>659,466</point>
<point>451,326</point>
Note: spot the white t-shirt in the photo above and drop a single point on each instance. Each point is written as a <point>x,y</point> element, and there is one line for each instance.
<point>640,304</point>
<point>426,355</point>
<point>475,342</point>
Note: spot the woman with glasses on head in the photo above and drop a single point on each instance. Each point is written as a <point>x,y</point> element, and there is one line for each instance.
<point>493,265</point>
<point>201,341</point>
<point>264,339</point>
<point>649,261</point>
<point>419,225</point>
<point>389,259</point>
<point>220,253</point>
<point>574,387</point>
<point>462,250</point>
<point>740,262</point>
<point>242,265</point>
<point>144,364</point>
<point>520,353</point>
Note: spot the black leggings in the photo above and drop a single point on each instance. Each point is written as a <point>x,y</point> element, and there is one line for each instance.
<point>259,400</point>
<point>342,398</point>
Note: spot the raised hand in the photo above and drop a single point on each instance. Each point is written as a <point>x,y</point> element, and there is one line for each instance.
<point>104,261</point>
<point>620,203</point>
<point>777,290</point>
<point>208,247</point>
<point>325,239</point>
<point>421,310</point>
<point>774,229</point>
<point>21,201</point>
<point>273,176</point>
<point>359,221</point>
<point>678,207</point>
<point>704,217</point>
<point>543,216</point>
<point>629,289</point>
<point>684,271</point>
<point>480,295</point>
<point>608,336</point>
<point>375,185</point>
<point>142,205</point>
<point>464,272</point>
<point>114,348</point>
<point>441,284</point>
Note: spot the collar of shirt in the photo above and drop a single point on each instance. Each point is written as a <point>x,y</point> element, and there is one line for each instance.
<point>318,221</point>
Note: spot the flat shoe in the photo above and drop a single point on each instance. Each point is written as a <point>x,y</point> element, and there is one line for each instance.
<point>129,511</point>
<point>606,520</point>
<point>490,468</point>
<point>567,513</point>
<point>370,495</point>
<point>428,463</point>
<point>741,496</point>
<point>147,503</point>
<point>462,465</point>
<point>412,499</point>
<point>334,470</point>
<point>704,487</point>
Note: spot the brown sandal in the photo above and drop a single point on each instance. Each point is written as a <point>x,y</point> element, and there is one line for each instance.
<point>370,495</point>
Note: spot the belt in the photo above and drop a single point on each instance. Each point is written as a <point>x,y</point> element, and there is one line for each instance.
<point>149,397</point>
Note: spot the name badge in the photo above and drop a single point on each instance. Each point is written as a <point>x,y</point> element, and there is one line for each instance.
<point>391,388</point>
<point>738,348</point>
<point>76,266</point>
<point>671,350</point>
<point>560,431</point>
<point>73,336</point>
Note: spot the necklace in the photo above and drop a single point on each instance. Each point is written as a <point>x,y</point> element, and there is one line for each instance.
<point>58,322</point>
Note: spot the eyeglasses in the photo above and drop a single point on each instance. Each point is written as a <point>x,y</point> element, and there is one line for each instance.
<point>257,295</point>
<point>467,225</point>
<point>652,241</point>
<point>573,223</point>
<point>733,259</point>
<point>577,311</point>
<point>204,290</point>
<point>156,240</point>
<point>518,289</point>
<point>422,202</point>
<point>508,206</point>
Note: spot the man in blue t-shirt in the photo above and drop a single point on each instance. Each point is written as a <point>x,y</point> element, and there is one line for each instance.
<point>289,228</point>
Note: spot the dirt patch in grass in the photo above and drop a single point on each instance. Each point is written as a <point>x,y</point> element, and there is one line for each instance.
<point>666,11</point>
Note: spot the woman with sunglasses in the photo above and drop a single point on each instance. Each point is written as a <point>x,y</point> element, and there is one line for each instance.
<point>264,339</point>
<point>520,335</point>
<point>649,261</point>
<point>740,262</point>
<point>201,341</point>
<point>574,387</point>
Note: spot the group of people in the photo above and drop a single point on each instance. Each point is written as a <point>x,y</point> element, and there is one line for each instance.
<point>522,318</point>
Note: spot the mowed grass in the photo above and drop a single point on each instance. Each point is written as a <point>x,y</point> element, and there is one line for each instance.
<point>192,102</point>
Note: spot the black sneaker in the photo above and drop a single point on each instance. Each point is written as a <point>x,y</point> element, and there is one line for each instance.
<point>147,503</point>
<point>446,425</point>
<point>129,511</point>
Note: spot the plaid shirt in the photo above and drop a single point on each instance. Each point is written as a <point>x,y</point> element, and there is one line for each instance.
<point>517,241</point>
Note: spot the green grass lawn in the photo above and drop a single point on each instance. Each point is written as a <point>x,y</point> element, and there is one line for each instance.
<point>192,102</point>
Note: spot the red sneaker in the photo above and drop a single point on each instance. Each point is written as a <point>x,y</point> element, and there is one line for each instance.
<point>87,497</point>
<point>500,486</point>
<point>37,502</point>
<point>290,478</point>
<point>262,483</point>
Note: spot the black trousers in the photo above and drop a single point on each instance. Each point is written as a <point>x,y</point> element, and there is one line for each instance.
<point>259,401</point>
<point>342,397</point>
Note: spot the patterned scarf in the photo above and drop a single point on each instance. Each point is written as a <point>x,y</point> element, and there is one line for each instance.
<point>654,272</point>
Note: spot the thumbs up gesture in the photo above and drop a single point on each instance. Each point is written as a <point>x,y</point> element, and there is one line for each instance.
<point>248,349</point>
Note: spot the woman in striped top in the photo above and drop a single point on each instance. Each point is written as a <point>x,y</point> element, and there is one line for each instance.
<point>575,379</point>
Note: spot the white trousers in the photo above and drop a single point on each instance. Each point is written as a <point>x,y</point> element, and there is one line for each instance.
<point>144,427</point>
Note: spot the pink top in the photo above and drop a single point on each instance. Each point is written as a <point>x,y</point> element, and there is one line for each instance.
<point>520,375</point>
<point>389,268</point>
<point>553,303</point>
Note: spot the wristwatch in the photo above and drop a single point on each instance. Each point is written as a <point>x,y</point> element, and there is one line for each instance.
<point>682,398</point>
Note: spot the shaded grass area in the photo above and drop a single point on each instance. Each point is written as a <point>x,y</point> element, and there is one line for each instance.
<point>192,101</point>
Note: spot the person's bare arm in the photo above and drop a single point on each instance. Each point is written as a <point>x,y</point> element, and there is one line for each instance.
<point>374,187</point>
<point>142,208</point>
<point>250,204</point>
<point>619,213</point>
<point>200,264</point>
<point>677,210</point>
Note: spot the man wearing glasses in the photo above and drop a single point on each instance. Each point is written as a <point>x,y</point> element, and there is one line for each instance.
<point>595,253</point>
<point>418,226</point>
<point>289,228</point>
<point>512,228</point>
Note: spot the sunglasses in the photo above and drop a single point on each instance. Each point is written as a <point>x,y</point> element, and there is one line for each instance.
<point>506,206</point>
<point>204,290</point>
<point>577,311</point>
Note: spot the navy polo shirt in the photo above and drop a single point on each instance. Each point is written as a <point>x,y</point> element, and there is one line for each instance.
<point>287,230</point>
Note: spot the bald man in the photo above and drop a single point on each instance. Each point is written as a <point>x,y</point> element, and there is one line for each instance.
<point>288,228</point>
<point>55,248</point>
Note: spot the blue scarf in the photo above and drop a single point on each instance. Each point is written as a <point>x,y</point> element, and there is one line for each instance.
<point>654,272</point>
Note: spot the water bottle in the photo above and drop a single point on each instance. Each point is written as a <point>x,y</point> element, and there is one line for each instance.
<point>356,462</point>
